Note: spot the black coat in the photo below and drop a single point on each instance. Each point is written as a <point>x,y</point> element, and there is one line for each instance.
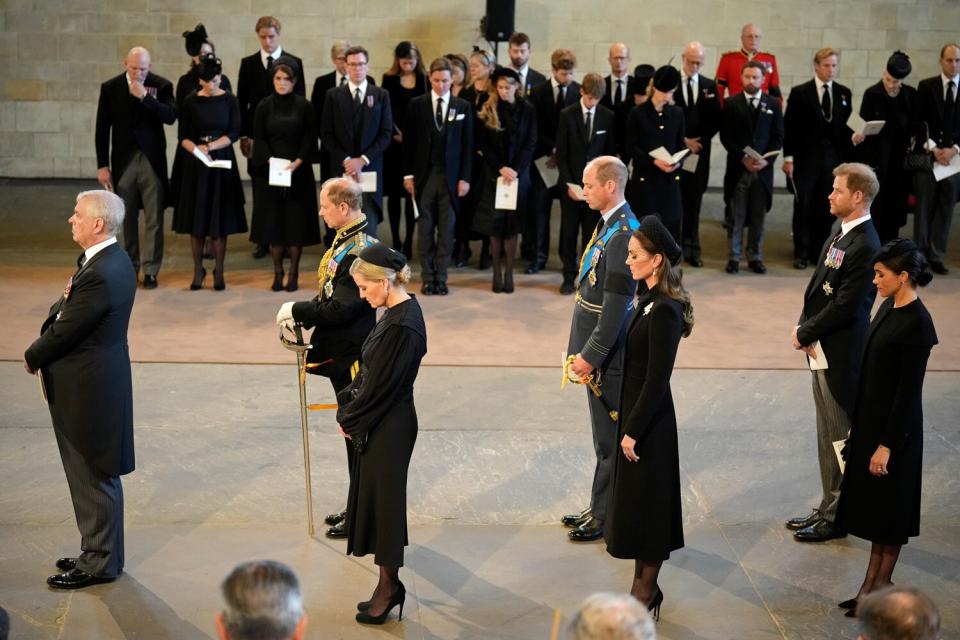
<point>548,116</point>
<point>573,149</point>
<point>889,412</point>
<point>653,190</point>
<point>760,129</point>
<point>317,97</point>
<point>702,120</point>
<point>930,110</point>
<point>621,111</point>
<point>644,518</point>
<point>126,125</point>
<point>838,315</point>
<point>400,98</point>
<point>419,128</point>
<point>816,145</point>
<point>83,355</point>
<point>254,83</point>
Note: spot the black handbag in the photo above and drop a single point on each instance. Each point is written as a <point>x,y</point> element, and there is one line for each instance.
<point>917,157</point>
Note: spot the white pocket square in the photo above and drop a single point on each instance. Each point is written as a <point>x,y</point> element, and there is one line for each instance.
<point>600,133</point>
<point>461,116</point>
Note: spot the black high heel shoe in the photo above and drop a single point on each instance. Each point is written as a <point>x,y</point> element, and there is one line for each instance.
<point>293,281</point>
<point>198,282</point>
<point>654,606</point>
<point>363,606</point>
<point>398,598</point>
<point>848,604</point>
<point>277,281</point>
<point>218,283</point>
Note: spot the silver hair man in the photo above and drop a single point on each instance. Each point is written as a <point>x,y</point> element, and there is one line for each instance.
<point>263,602</point>
<point>107,206</point>
<point>611,616</point>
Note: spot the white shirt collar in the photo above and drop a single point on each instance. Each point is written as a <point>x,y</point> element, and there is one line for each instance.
<point>584,109</point>
<point>612,210</point>
<point>522,70</point>
<point>845,227</point>
<point>956,82</point>
<point>338,78</point>
<point>353,88</point>
<point>446,102</point>
<point>89,252</point>
<point>683,78</point>
<point>276,54</point>
<point>614,77</point>
<point>821,84</point>
<point>757,95</point>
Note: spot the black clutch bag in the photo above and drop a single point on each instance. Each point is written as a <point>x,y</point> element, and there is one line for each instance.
<point>917,157</point>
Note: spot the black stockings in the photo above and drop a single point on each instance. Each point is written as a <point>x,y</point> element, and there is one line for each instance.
<point>645,587</point>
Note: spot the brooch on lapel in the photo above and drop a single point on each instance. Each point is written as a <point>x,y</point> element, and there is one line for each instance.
<point>370,102</point>
<point>152,91</point>
<point>451,114</point>
<point>827,289</point>
<point>834,258</point>
<point>646,309</point>
<point>67,289</point>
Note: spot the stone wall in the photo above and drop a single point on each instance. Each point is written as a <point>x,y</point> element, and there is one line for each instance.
<point>56,52</point>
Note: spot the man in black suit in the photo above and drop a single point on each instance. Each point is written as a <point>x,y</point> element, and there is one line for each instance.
<point>939,111</point>
<point>586,130</point>
<point>549,99</point>
<point>750,119</point>
<point>518,48</point>
<point>255,82</point>
<point>132,110</point>
<point>816,139</point>
<point>438,151</point>
<point>620,89</point>
<point>698,98</point>
<point>357,128</point>
<point>832,329</point>
<point>84,363</point>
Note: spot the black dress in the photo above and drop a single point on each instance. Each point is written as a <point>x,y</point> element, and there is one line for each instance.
<point>644,520</point>
<point>284,127</point>
<point>653,191</point>
<point>400,97</point>
<point>512,146</point>
<point>378,407</point>
<point>468,204</point>
<point>210,201</point>
<point>889,411</point>
<point>187,84</point>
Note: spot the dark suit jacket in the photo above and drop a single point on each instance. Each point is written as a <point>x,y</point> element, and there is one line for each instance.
<point>518,153</point>
<point>419,128</point>
<point>621,111</point>
<point>533,79</point>
<point>702,120</point>
<point>83,356</point>
<point>134,125</point>
<point>375,126</point>
<point>930,109</point>
<point>573,150</point>
<point>548,116</point>
<point>254,83</point>
<point>743,127</point>
<point>816,145</point>
<point>653,190</point>
<point>320,87</point>
<point>839,315</point>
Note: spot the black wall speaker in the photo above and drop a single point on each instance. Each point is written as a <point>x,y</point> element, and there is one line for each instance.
<point>500,15</point>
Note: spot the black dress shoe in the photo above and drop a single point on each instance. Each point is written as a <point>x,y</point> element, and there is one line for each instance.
<point>149,282</point>
<point>799,263</point>
<point>441,288</point>
<point>567,288</point>
<point>695,262</point>
<point>757,266</point>
<point>802,522</point>
<point>587,532</point>
<point>75,579</point>
<point>733,266</point>
<point>574,520</point>
<point>535,267</point>
<point>261,251</point>
<point>820,531</point>
<point>851,613</point>
<point>335,518</point>
<point>338,530</point>
<point>428,289</point>
<point>66,564</point>
<point>848,604</point>
<point>939,268</point>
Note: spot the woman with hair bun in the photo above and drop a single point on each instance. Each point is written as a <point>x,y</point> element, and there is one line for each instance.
<point>880,495</point>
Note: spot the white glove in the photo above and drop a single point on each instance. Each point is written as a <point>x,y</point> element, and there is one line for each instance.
<point>285,315</point>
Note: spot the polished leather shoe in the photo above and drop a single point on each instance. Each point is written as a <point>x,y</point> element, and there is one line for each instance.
<point>428,289</point>
<point>149,282</point>
<point>535,267</point>
<point>757,266</point>
<point>733,266</point>
<point>802,522</point>
<point>335,518</point>
<point>442,289</point>
<point>75,579</point>
<point>695,262</point>
<point>848,604</point>
<point>799,263</point>
<point>574,520</point>
<point>261,251</point>
<point>587,532</point>
<point>66,564</point>
<point>567,288</point>
<point>939,268</point>
<point>820,531</point>
<point>338,530</point>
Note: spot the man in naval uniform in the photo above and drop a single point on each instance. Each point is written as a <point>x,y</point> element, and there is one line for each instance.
<point>603,305</point>
<point>339,318</point>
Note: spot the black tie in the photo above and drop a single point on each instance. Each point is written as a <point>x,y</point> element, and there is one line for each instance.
<point>343,80</point>
<point>753,103</point>
<point>690,91</point>
<point>618,96</point>
<point>949,112</point>
<point>439,114</point>
<point>589,125</point>
<point>560,99</point>
<point>269,62</point>
<point>825,105</point>
<point>80,262</point>
<point>356,97</point>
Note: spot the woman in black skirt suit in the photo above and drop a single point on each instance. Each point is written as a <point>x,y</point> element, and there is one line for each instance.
<point>377,414</point>
<point>507,137</point>
<point>404,80</point>
<point>655,184</point>
<point>880,494</point>
<point>644,520</point>
<point>210,200</point>
<point>284,126</point>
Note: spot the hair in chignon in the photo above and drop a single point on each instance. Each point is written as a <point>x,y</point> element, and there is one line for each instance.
<point>374,272</point>
<point>670,282</point>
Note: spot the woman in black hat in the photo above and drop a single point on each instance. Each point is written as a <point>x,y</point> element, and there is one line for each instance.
<point>892,101</point>
<point>880,494</point>
<point>210,200</point>
<point>507,139</point>
<point>377,414</point>
<point>655,184</point>
<point>644,522</point>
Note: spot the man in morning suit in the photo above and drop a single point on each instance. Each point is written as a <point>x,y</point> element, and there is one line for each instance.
<point>938,108</point>
<point>356,129</point>
<point>84,362</point>
<point>549,99</point>
<point>620,89</point>
<point>255,82</point>
<point>586,130</point>
<point>132,155</point>
<point>834,323</point>
<point>603,305</point>
<point>339,318</point>
<point>438,151</point>
<point>750,119</point>
<point>816,139</point>
<point>518,49</point>
<point>698,98</point>
<point>731,64</point>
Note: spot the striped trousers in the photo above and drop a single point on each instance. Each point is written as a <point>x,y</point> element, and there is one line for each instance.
<point>833,423</point>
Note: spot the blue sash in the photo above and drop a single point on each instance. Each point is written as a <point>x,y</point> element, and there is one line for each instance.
<point>592,256</point>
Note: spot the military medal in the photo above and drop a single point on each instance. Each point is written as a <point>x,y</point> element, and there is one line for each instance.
<point>827,289</point>
<point>370,102</point>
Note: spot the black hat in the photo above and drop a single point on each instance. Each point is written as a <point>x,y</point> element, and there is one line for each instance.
<point>504,72</point>
<point>652,228</point>
<point>383,256</point>
<point>195,39</point>
<point>642,74</point>
<point>209,67</point>
<point>666,78</point>
<point>898,65</point>
<point>290,62</point>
